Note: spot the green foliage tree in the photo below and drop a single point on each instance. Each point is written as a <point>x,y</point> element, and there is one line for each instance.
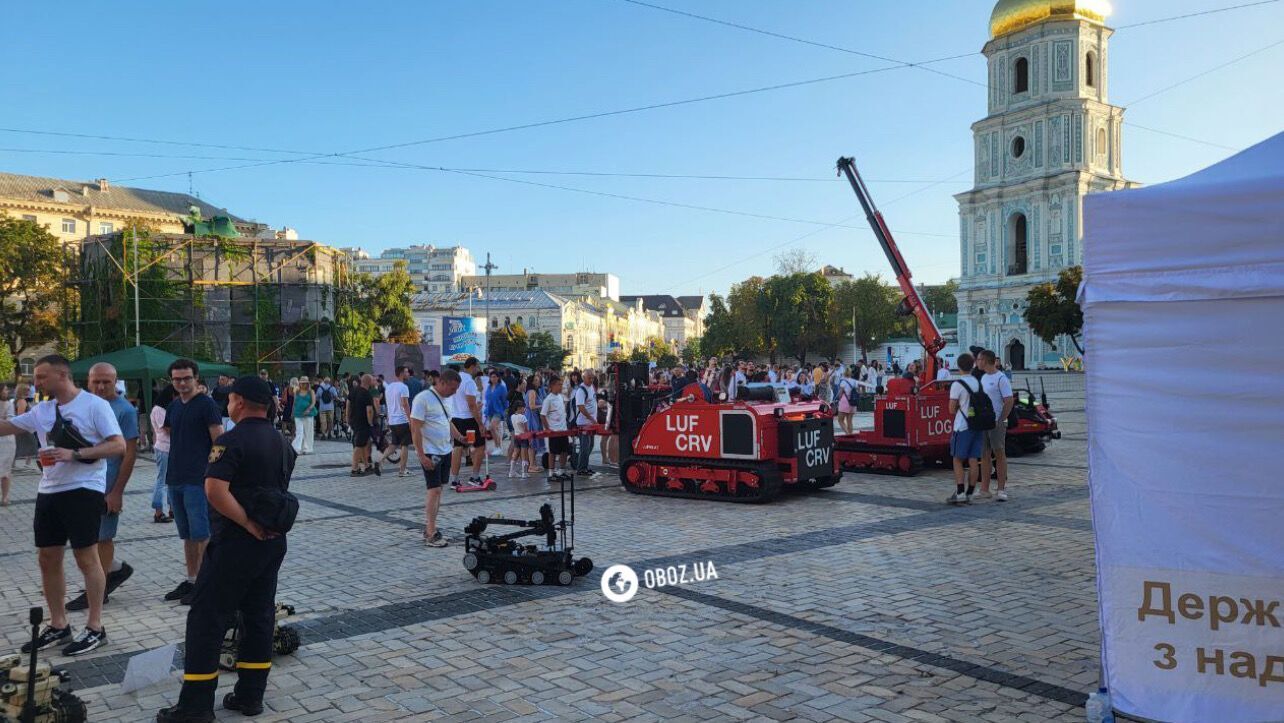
<point>7,368</point>
<point>31,288</point>
<point>941,299</point>
<point>508,344</point>
<point>719,329</point>
<point>544,351</point>
<point>796,309</point>
<point>1053,311</point>
<point>392,303</point>
<point>865,309</point>
<point>356,327</point>
<point>692,354</point>
<point>659,351</point>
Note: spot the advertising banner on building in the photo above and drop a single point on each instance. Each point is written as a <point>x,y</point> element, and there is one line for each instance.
<point>1185,476</point>
<point>385,358</point>
<point>462,337</point>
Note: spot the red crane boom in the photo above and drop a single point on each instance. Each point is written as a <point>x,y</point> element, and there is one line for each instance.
<point>912,303</point>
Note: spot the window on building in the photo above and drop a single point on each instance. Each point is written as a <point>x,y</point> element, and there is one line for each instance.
<point>1021,76</point>
<point>1017,245</point>
<point>28,217</point>
<point>1089,70</point>
<point>106,227</point>
<point>1101,141</point>
<point>426,332</point>
<point>1018,147</point>
<point>27,366</point>
<point>494,322</point>
<point>570,343</point>
<point>69,225</point>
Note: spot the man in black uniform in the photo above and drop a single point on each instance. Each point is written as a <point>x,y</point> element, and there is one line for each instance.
<point>239,572</point>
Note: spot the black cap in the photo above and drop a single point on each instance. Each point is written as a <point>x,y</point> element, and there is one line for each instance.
<point>253,389</point>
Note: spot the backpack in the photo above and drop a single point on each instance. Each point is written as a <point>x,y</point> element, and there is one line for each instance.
<point>326,395</point>
<point>980,412</point>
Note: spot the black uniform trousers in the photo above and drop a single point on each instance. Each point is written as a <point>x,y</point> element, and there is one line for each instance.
<point>238,573</point>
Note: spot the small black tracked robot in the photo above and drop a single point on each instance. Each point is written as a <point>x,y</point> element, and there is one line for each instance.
<point>503,559</point>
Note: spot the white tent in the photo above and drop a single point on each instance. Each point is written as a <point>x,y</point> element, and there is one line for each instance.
<point>1183,299</point>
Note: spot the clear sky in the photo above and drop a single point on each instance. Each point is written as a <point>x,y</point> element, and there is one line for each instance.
<point>332,78</point>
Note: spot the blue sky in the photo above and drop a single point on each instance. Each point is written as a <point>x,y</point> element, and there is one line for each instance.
<point>334,78</point>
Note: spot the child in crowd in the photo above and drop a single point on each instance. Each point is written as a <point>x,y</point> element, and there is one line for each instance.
<point>553,415</point>
<point>519,450</point>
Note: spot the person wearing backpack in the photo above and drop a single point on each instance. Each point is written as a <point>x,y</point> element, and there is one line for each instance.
<point>973,415</point>
<point>998,388</point>
<point>326,394</point>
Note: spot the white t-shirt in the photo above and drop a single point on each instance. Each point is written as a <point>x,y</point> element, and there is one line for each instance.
<point>961,395</point>
<point>393,393</point>
<point>999,388</point>
<point>467,388</point>
<point>519,423</point>
<point>94,419</point>
<point>581,392</point>
<point>432,410</point>
<point>554,410</point>
<point>943,373</point>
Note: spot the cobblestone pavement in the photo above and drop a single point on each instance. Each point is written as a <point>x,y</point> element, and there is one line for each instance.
<point>872,601</point>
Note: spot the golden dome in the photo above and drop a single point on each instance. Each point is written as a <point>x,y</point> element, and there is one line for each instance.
<point>1010,16</point>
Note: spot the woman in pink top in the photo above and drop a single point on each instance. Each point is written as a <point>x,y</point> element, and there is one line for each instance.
<point>160,447</point>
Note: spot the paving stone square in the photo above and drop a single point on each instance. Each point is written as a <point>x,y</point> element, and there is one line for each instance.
<point>870,601</point>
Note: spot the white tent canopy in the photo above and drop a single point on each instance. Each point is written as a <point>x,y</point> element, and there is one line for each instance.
<point>1183,298</point>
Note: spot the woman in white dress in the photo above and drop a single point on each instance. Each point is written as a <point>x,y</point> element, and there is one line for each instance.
<point>8,448</point>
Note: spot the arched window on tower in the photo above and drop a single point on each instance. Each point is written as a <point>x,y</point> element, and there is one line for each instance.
<point>1017,247</point>
<point>1101,141</point>
<point>1021,76</point>
<point>1090,70</point>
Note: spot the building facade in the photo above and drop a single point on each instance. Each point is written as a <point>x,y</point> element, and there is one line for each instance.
<point>432,269</point>
<point>606,286</point>
<point>680,325</point>
<point>1050,138</point>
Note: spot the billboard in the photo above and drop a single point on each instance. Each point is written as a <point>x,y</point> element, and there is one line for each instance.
<point>462,337</point>
<point>387,357</point>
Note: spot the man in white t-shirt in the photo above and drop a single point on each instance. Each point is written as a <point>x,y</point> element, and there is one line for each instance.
<point>467,417</point>
<point>397,396</point>
<point>999,387</point>
<point>553,414</point>
<point>431,430</point>
<point>82,431</point>
<point>965,443</point>
<point>584,398</point>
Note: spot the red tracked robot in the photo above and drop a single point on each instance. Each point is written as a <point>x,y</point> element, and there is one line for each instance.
<point>744,450</point>
<point>912,421</point>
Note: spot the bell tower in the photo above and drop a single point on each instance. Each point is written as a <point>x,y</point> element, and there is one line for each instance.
<point>1051,136</point>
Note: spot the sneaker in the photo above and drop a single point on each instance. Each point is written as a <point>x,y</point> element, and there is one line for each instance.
<point>437,540</point>
<point>175,714</point>
<point>161,518</point>
<point>187,599</point>
<point>116,577</point>
<point>49,636</point>
<point>177,593</point>
<point>590,474</point>
<point>404,473</point>
<point>958,498</point>
<point>378,470</point>
<point>242,706</point>
<point>984,494</point>
<point>1001,497</point>
<point>353,473</point>
<point>89,639</point>
<point>81,602</point>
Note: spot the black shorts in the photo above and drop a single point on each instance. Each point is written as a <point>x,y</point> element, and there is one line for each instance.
<point>400,435</point>
<point>72,516</point>
<point>463,425</point>
<point>559,445</point>
<point>440,473</point>
<point>360,437</point>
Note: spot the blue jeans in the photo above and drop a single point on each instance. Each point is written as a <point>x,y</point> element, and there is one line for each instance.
<point>158,490</point>
<point>583,452</point>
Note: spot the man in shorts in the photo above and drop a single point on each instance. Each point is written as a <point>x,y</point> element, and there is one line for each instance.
<point>361,418</point>
<point>999,387</point>
<point>466,417</point>
<point>194,422</point>
<point>965,444</point>
<point>431,431</point>
<point>397,396</point>
<point>77,432</point>
<point>327,395</point>
<point>102,382</point>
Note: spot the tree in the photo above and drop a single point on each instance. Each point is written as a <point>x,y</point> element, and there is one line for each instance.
<point>865,310</point>
<point>659,351</point>
<point>7,367</point>
<point>795,261</point>
<point>797,310</point>
<point>31,289</point>
<point>544,351</point>
<point>941,299</point>
<point>1053,311</point>
<point>692,354</point>
<point>392,302</point>
<point>356,328</point>
<point>508,344</point>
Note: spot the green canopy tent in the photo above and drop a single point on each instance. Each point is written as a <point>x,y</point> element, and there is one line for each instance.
<point>355,365</point>
<point>515,367</point>
<point>144,364</point>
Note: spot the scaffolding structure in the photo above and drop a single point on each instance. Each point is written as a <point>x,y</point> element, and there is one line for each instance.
<point>253,302</point>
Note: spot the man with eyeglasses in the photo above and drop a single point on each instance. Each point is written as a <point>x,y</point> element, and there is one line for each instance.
<point>193,421</point>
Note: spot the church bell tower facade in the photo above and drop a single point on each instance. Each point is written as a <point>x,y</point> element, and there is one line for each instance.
<point>1051,136</point>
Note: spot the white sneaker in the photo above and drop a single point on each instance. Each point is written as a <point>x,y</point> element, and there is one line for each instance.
<point>958,498</point>
<point>1002,496</point>
<point>985,495</point>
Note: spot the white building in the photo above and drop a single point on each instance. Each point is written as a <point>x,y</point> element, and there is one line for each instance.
<point>1050,138</point>
<point>606,286</point>
<point>431,268</point>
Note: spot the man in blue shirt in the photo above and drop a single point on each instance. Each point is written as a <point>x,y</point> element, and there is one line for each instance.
<point>326,395</point>
<point>193,422</point>
<point>102,382</point>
